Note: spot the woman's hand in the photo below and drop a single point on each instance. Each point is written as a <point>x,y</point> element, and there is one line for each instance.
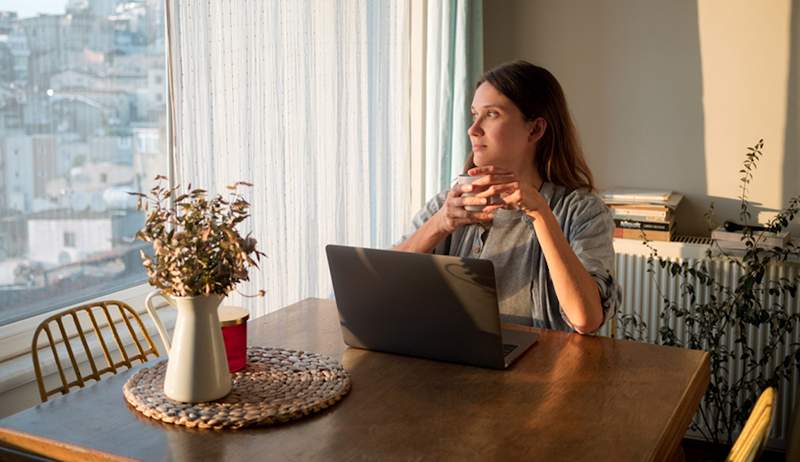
<point>513,192</point>
<point>453,214</point>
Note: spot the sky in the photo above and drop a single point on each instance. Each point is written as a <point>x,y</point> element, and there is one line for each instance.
<point>27,8</point>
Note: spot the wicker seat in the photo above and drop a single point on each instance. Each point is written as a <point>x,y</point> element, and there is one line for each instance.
<point>97,324</point>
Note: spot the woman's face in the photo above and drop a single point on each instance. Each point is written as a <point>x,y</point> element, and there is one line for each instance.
<point>499,133</point>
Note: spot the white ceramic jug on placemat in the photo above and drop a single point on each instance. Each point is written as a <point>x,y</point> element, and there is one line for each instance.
<point>197,370</point>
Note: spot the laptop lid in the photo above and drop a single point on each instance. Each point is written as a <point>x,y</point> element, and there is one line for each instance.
<point>430,306</point>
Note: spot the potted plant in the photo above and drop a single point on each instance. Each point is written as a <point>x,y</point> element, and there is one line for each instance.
<point>198,258</point>
<point>756,300</point>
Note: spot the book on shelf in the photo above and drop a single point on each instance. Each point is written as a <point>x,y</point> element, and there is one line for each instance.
<point>642,198</point>
<point>641,234</point>
<point>636,195</point>
<point>663,215</point>
<point>648,225</point>
<point>733,239</point>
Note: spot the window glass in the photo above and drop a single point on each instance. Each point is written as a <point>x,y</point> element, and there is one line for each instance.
<point>82,122</point>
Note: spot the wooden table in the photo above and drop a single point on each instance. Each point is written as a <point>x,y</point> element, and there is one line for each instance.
<point>569,398</point>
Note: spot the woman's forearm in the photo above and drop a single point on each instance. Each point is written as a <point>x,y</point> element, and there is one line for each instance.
<point>577,291</point>
<point>425,239</point>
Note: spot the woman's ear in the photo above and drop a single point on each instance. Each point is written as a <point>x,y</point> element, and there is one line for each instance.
<point>537,129</point>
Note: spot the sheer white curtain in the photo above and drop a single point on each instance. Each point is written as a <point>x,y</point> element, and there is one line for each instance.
<point>309,101</point>
<point>312,102</point>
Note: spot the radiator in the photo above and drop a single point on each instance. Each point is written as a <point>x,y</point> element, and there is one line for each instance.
<point>640,296</point>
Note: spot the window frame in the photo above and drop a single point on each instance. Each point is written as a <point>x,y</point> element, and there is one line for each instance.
<point>16,337</point>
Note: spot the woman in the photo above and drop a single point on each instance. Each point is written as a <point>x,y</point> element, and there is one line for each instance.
<point>550,235</point>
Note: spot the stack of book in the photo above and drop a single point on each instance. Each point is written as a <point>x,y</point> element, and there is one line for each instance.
<point>643,213</point>
<point>729,237</point>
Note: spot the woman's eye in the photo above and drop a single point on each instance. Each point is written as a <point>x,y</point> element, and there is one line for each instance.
<point>474,116</point>
<point>492,114</point>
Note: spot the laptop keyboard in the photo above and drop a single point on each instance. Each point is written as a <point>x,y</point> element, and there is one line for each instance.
<point>508,348</point>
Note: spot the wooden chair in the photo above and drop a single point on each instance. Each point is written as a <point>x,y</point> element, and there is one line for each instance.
<point>756,430</point>
<point>117,325</point>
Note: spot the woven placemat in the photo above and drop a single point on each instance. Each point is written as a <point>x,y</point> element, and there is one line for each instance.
<point>276,386</point>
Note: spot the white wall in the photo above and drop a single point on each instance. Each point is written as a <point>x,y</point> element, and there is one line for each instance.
<point>670,94</point>
<point>46,238</point>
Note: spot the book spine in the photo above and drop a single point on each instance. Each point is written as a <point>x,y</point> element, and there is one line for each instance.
<point>648,234</point>
<point>622,211</point>
<point>642,208</point>
<point>635,224</point>
<point>641,217</point>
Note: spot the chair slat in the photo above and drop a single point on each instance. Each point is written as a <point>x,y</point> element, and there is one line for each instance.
<point>152,345</point>
<point>86,350</point>
<point>36,367</point>
<point>55,356</point>
<point>120,345</point>
<point>754,434</point>
<point>130,319</point>
<point>141,356</point>
<point>65,338</point>
<point>103,346</point>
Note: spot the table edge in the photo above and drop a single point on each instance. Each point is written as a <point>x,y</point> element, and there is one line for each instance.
<point>672,435</point>
<point>59,450</point>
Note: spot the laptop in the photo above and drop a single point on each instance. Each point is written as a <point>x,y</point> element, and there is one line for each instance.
<point>429,306</point>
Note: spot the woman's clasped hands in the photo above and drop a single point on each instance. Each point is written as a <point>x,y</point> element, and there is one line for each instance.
<point>494,189</point>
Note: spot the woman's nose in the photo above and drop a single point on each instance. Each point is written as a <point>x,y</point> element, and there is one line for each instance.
<point>475,128</point>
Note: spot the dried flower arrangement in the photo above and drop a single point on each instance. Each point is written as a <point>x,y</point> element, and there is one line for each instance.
<point>197,248</point>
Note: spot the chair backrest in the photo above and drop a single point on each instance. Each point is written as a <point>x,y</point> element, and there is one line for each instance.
<point>104,322</point>
<point>756,430</point>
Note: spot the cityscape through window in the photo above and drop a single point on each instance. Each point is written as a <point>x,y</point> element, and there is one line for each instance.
<point>82,123</point>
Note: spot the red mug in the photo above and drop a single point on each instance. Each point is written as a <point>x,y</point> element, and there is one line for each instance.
<point>234,331</point>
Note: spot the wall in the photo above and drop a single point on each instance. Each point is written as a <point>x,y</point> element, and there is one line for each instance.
<point>670,94</point>
<point>47,243</point>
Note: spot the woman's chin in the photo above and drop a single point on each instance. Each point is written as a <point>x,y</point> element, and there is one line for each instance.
<point>481,159</point>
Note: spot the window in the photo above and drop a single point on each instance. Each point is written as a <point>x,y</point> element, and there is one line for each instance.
<point>79,96</point>
<point>69,239</point>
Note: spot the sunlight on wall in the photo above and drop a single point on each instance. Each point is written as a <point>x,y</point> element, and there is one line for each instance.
<point>745,50</point>
<point>670,94</point>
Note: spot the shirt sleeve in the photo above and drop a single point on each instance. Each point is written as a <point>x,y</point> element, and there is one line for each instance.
<point>425,214</point>
<point>591,236</point>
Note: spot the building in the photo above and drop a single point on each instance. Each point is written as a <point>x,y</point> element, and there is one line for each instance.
<point>62,237</point>
<point>98,177</point>
<point>43,38</point>
<point>149,146</point>
<point>14,54</point>
<point>45,163</point>
<point>13,234</point>
<point>18,170</point>
<point>90,112</point>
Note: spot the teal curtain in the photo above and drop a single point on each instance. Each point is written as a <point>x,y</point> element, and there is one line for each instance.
<point>454,62</point>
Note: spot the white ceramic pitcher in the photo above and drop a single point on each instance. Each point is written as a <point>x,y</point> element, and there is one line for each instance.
<point>197,369</point>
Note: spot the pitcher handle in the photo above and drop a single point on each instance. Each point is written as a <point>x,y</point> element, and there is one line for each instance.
<point>151,310</point>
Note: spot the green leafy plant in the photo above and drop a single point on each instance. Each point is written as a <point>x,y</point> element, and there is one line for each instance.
<point>197,249</point>
<point>713,311</point>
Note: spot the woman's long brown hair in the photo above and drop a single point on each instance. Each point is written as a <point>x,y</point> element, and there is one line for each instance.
<point>536,92</point>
